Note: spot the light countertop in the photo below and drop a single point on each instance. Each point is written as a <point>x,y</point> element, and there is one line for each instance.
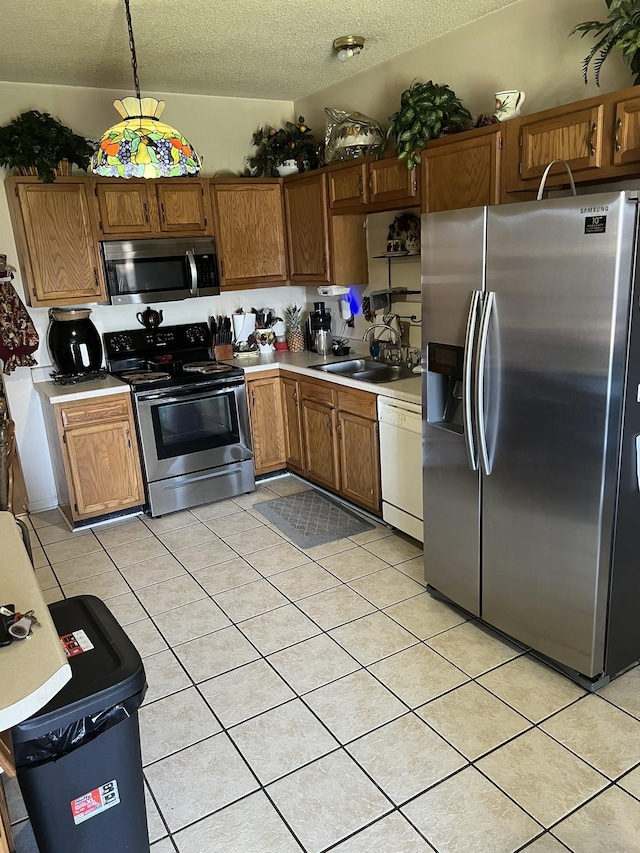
<point>54,393</point>
<point>31,671</point>
<point>301,363</point>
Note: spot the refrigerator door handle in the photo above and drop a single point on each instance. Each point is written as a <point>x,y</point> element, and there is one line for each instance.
<point>467,379</point>
<point>483,335</point>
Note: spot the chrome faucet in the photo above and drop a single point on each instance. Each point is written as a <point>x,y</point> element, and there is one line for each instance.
<point>384,326</point>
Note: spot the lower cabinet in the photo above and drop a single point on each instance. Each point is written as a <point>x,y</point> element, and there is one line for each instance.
<point>292,424</point>
<point>331,437</point>
<point>267,423</point>
<point>100,455</point>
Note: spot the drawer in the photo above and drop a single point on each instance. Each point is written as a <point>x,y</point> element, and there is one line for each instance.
<point>321,392</point>
<point>357,402</point>
<point>83,412</point>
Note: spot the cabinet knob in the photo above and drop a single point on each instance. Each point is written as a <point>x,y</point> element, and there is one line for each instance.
<point>96,279</point>
<point>128,438</point>
<point>162,211</point>
<point>146,213</point>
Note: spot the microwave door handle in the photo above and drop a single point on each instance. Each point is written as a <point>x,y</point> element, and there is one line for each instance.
<point>193,270</point>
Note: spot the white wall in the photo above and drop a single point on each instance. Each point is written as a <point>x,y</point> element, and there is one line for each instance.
<point>523,46</point>
<point>221,130</point>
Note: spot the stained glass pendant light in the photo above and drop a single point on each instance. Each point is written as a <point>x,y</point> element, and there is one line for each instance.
<point>142,146</point>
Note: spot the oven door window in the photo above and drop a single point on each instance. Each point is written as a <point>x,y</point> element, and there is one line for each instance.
<point>148,275</point>
<point>193,425</point>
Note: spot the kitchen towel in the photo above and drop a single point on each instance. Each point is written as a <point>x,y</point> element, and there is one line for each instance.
<point>309,518</point>
<point>18,336</point>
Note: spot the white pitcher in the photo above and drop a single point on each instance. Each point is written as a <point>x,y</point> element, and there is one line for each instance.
<point>508,104</point>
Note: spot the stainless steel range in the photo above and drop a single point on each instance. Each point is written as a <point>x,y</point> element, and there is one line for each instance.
<point>191,414</point>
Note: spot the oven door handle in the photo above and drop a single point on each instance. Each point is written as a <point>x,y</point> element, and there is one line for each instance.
<point>193,269</point>
<point>191,396</point>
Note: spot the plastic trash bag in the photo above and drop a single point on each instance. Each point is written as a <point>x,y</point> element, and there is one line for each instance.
<point>350,135</point>
<point>60,742</point>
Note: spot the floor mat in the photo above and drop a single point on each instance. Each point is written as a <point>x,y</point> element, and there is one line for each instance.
<point>309,518</point>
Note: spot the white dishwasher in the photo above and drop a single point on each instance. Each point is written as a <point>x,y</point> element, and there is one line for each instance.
<point>401,464</point>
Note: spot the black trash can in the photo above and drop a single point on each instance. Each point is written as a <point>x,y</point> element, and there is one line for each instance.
<point>78,759</point>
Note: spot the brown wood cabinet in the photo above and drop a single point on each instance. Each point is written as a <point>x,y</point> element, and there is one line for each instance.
<point>146,208</point>
<point>462,171</point>
<point>56,240</point>
<point>267,423</point>
<point>599,138</point>
<point>292,424</point>
<point>370,185</point>
<point>322,249</point>
<point>100,455</point>
<point>331,436</point>
<point>249,228</point>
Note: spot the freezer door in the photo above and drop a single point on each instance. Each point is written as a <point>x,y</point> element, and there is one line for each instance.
<point>453,252</point>
<point>556,356</point>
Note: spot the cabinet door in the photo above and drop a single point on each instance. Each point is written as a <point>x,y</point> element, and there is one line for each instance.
<point>182,206</point>
<point>359,460</point>
<point>348,187</point>
<point>267,426</point>
<point>461,174</point>
<point>104,468</point>
<point>305,201</point>
<point>125,208</point>
<point>575,136</point>
<point>249,228</point>
<point>391,184</point>
<point>57,243</point>
<point>627,132</point>
<point>319,430</point>
<point>292,424</point>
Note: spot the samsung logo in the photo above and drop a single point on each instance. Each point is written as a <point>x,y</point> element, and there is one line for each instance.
<point>600,209</point>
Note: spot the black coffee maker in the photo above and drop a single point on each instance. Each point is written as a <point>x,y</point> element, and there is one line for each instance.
<point>318,330</point>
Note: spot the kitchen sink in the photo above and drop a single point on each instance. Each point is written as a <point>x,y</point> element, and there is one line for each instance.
<point>346,368</point>
<point>367,370</point>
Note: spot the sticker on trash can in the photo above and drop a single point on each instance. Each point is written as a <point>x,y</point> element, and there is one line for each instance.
<point>96,801</point>
<point>76,643</point>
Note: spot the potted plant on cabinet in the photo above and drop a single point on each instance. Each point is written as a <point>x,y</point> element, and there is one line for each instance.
<point>293,142</point>
<point>38,144</point>
<point>620,30</point>
<point>427,110</point>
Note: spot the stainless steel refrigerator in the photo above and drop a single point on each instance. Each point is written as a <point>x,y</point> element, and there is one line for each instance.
<point>531,439</point>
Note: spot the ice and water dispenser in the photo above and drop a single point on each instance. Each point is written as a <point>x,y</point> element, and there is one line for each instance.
<point>444,386</point>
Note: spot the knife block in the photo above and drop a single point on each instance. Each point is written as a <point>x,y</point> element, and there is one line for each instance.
<point>223,352</point>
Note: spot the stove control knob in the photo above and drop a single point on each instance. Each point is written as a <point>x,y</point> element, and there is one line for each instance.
<point>195,335</point>
<point>121,343</point>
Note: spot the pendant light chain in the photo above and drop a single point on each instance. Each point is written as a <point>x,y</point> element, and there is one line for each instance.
<point>132,48</point>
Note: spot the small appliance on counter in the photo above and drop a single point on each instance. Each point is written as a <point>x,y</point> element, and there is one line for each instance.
<point>318,330</point>
<point>74,344</point>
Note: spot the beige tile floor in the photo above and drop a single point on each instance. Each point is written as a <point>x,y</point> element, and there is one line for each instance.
<point>322,700</point>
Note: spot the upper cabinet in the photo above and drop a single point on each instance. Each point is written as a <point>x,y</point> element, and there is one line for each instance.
<point>249,229</point>
<point>142,208</point>
<point>599,139</point>
<point>56,239</point>
<point>463,170</point>
<point>372,185</point>
<point>322,249</point>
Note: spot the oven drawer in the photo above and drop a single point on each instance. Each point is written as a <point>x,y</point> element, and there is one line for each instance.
<point>95,410</point>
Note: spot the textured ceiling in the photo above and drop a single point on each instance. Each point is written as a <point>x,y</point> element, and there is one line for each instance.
<point>279,49</point>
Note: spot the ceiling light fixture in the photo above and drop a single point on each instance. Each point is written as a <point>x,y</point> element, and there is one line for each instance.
<point>348,46</point>
<point>141,146</point>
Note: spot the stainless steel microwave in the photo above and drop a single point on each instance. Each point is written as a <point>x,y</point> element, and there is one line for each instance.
<point>161,270</point>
